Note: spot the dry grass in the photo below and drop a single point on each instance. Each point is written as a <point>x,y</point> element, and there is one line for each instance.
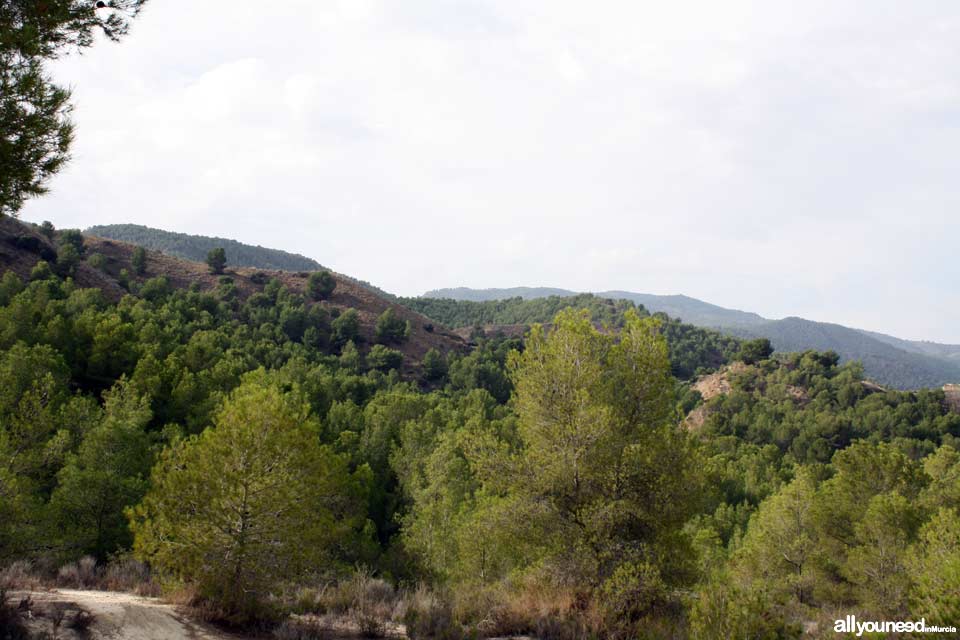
<point>20,576</point>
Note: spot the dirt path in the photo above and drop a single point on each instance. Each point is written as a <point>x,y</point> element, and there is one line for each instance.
<point>122,616</point>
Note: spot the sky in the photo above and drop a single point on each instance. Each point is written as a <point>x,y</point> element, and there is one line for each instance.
<point>788,158</point>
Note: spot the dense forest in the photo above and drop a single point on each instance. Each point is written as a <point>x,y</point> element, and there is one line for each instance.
<point>556,484</point>
<point>692,350</point>
<point>196,248</point>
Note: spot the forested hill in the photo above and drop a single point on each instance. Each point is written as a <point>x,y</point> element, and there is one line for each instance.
<point>190,247</point>
<point>890,361</point>
<point>276,303</point>
<point>692,349</point>
<point>682,307</point>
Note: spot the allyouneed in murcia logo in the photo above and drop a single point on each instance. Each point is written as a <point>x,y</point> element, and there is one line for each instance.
<point>850,624</point>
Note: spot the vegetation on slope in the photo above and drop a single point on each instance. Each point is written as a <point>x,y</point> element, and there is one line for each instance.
<point>197,248</point>
<point>544,483</point>
<point>692,350</point>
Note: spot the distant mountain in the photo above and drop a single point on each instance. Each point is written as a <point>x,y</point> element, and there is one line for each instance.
<point>189,247</point>
<point>890,361</point>
<point>482,295</point>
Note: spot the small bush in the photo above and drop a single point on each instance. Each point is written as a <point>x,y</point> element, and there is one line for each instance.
<point>301,629</point>
<point>19,575</point>
<point>430,617</point>
<point>260,278</point>
<point>82,574</point>
<point>97,261</point>
<point>129,575</point>
<point>383,358</point>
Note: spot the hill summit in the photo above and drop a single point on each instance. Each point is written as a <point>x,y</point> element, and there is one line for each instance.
<point>195,248</point>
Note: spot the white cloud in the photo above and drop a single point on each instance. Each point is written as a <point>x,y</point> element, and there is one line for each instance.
<point>789,158</point>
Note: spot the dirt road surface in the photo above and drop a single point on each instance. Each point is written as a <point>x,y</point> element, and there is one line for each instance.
<point>122,616</point>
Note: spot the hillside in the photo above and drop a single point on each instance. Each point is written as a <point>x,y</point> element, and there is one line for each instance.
<point>893,362</point>
<point>692,349</point>
<point>191,247</point>
<point>22,246</point>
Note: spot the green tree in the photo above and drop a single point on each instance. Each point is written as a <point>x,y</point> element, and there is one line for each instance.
<point>753,351</point>
<point>47,229</point>
<point>934,562</point>
<point>217,260</point>
<point>138,260</point>
<point>250,503</point>
<point>72,238</point>
<point>107,474</point>
<point>321,285</point>
<point>383,358</point>
<point>781,547</point>
<point>391,328</point>
<point>601,477</point>
<point>35,127</point>
<point>67,260</point>
<point>434,366</point>
<point>346,327</point>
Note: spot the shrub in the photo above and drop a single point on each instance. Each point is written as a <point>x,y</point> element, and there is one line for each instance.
<point>430,617</point>
<point>82,574</point>
<point>260,278</point>
<point>391,328</point>
<point>47,229</point>
<point>127,574</point>
<point>97,261</point>
<point>321,285</point>
<point>633,591</point>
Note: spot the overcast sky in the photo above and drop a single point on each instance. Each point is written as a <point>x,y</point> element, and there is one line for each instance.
<point>788,158</point>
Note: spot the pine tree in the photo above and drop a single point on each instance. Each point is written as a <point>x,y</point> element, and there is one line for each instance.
<point>217,260</point>
<point>248,504</point>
